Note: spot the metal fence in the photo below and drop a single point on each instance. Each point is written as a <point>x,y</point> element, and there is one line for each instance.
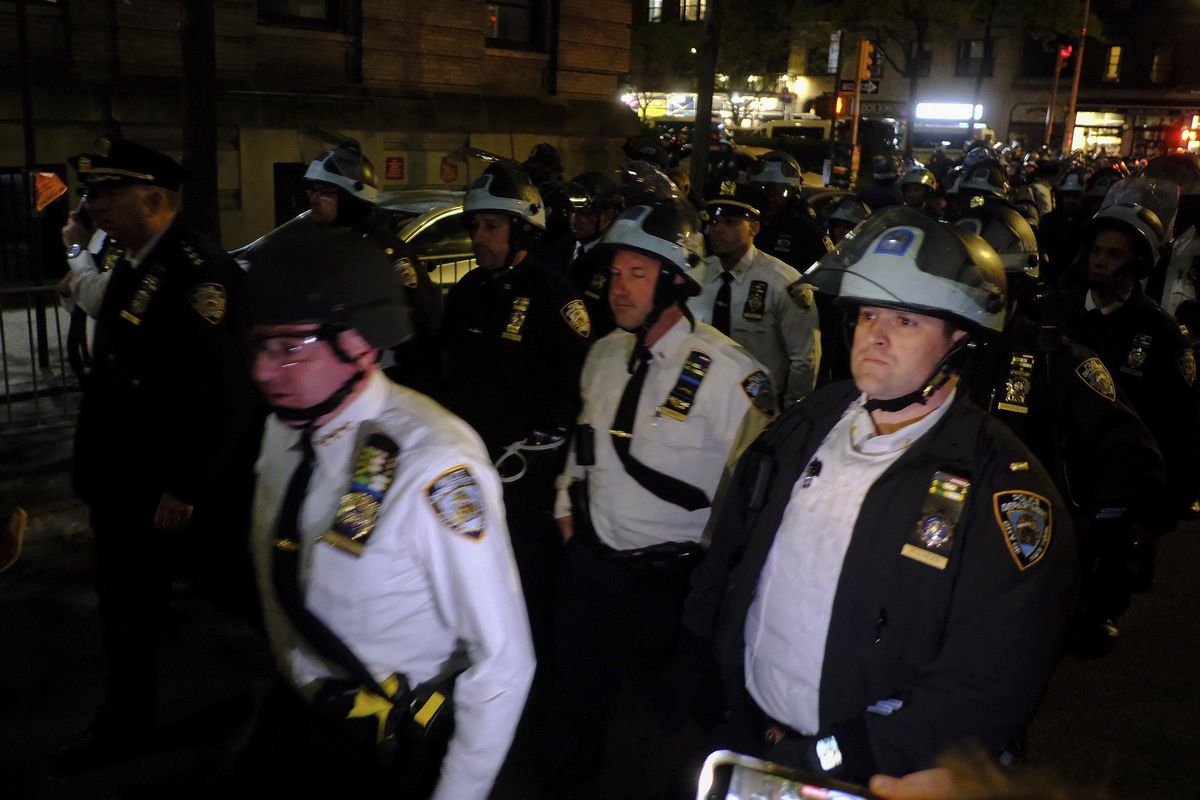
<point>39,389</point>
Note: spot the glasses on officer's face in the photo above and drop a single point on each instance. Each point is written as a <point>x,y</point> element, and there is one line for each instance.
<point>321,192</point>
<point>285,351</point>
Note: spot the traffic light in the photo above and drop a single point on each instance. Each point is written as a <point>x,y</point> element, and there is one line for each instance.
<point>1065,51</point>
<point>866,60</point>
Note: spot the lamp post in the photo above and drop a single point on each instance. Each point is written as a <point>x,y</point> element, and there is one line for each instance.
<point>1064,53</point>
<point>1069,125</point>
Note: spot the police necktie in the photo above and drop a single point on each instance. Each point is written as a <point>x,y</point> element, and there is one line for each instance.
<point>662,486</point>
<point>720,314</point>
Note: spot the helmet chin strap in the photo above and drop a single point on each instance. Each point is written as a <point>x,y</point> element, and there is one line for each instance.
<point>314,412</point>
<point>945,369</point>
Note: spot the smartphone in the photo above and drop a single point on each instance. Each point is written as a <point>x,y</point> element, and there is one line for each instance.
<point>85,219</point>
<point>730,776</point>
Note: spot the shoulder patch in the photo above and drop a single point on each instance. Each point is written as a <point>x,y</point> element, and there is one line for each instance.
<point>758,389</point>
<point>408,272</point>
<point>209,300</point>
<point>801,294</point>
<point>575,314</point>
<point>458,501</point>
<point>1187,365</point>
<point>1096,375</point>
<point>1026,521</point>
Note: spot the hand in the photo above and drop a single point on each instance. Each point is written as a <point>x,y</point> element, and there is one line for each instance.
<point>566,526</point>
<point>928,784</point>
<point>172,514</point>
<point>64,285</point>
<point>74,231</point>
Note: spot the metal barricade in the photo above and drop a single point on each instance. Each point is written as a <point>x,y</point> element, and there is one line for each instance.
<point>39,390</point>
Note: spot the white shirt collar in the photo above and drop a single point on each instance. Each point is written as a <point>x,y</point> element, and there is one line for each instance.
<point>1089,304</point>
<point>672,340</point>
<point>137,257</point>
<point>864,439</point>
<point>363,407</point>
<point>739,269</point>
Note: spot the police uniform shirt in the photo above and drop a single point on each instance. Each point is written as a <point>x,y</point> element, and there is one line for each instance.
<point>1178,285</point>
<point>87,283</point>
<point>730,408</point>
<point>436,571</point>
<point>788,621</point>
<point>771,315</point>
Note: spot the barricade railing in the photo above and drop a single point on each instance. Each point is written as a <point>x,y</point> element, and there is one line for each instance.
<point>38,388</point>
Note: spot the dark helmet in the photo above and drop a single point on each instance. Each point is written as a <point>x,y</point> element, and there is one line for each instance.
<point>543,156</point>
<point>1072,181</point>
<point>979,153</point>
<point>903,258</point>
<point>505,188</point>
<point>1009,234</point>
<point>883,168</point>
<point>594,192</point>
<point>1101,181</point>
<point>1145,226</point>
<point>668,231</point>
<point>558,197</point>
<point>849,210</point>
<point>642,183</point>
<point>919,176</point>
<point>985,179</point>
<point>335,277</point>
<point>776,166</point>
<point>347,168</point>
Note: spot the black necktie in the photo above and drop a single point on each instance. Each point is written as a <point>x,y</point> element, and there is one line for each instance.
<point>662,486</point>
<point>720,315</point>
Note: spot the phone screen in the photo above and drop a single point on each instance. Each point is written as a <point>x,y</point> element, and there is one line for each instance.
<point>729,776</point>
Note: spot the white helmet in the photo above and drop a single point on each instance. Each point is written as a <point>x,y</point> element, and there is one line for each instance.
<point>347,168</point>
<point>505,188</point>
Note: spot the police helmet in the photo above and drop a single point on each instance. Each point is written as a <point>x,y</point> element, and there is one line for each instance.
<point>594,192</point>
<point>985,179</point>
<point>1145,226</point>
<point>347,168</point>
<point>1101,181</point>
<point>1071,182</point>
<point>849,210</point>
<point>903,258</point>
<point>642,183</point>
<point>306,273</point>
<point>776,166</point>
<point>1009,234</point>
<point>919,176</point>
<point>883,168</point>
<point>668,231</point>
<point>505,188</point>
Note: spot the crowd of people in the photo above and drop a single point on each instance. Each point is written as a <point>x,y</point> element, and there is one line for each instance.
<point>837,489</point>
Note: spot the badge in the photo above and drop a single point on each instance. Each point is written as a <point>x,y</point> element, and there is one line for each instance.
<point>595,289</point>
<point>1018,384</point>
<point>895,242</point>
<point>141,299</point>
<point>576,315</point>
<point>756,301</point>
<point>757,387</point>
<point>728,188</point>
<point>1187,365</point>
<point>783,244</point>
<point>209,301</point>
<point>679,401</point>
<point>1027,522</point>
<point>374,468</point>
<point>516,319</point>
<point>801,294</point>
<point>458,501</point>
<point>408,272</point>
<point>111,257</point>
<point>932,538</point>
<point>1095,374</point>
<point>1137,354</point>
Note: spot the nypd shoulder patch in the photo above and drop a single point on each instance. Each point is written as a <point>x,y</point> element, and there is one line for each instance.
<point>1187,366</point>
<point>1096,375</point>
<point>758,389</point>
<point>458,501</point>
<point>801,294</point>
<point>209,300</point>
<point>1026,521</point>
<point>408,272</point>
<point>576,315</point>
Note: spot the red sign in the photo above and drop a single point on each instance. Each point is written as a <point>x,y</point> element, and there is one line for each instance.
<point>394,169</point>
<point>449,171</point>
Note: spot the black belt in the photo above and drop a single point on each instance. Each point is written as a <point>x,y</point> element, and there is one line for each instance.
<point>665,557</point>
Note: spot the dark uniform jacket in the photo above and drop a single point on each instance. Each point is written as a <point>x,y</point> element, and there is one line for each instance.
<point>589,275</point>
<point>967,648</point>
<point>168,397</point>
<point>515,341</point>
<point>793,236</point>
<point>1061,238</point>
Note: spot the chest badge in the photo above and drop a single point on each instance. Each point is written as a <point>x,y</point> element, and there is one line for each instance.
<point>756,301</point>
<point>932,538</point>
<point>1138,353</point>
<point>141,299</point>
<point>374,469</point>
<point>1018,384</point>
<point>1027,522</point>
<point>679,401</point>
<point>516,319</point>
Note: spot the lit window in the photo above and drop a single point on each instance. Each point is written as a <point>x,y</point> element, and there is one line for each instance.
<point>692,10</point>
<point>1112,67</point>
<point>655,11</point>
<point>1160,70</point>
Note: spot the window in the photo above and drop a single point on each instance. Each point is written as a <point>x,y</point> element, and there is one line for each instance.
<point>973,54</point>
<point>1160,70</point>
<point>1112,64</point>
<point>303,13</point>
<point>510,23</point>
<point>654,12</point>
<point>921,62</point>
<point>692,10</point>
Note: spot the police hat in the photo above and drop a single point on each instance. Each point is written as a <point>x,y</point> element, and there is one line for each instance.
<point>743,202</point>
<point>121,162</point>
<point>544,154</point>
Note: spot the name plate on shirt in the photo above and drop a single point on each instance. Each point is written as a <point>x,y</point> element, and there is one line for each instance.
<point>679,401</point>
<point>932,536</point>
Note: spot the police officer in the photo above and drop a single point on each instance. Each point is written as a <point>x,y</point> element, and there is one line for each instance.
<point>160,422</point>
<point>91,255</point>
<point>1060,233</point>
<point>788,227</point>
<point>883,191</point>
<point>758,300</point>
<point>1140,344</point>
<point>387,578</point>
<point>918,188</point>
<point>842,215</point>
<point>343,191</point>
<point>543,164</point>
<point>668,404</point>
<point>516,334</point>
<point>1173,283</point>
<point>1062,402</point>
<point>884,550</point>
<point>595,202</point>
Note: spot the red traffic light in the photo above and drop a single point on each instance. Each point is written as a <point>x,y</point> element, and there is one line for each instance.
<point>1065,51</point>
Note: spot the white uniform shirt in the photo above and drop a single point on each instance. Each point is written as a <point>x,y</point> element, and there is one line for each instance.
<point>782,330</point>
<point>87,283</point>
<point>722,420</point>
<point>1178,286</point>
<point>419,588</point>
<point>788,621</point>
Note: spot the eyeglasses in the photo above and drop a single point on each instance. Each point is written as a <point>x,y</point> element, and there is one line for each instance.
<point>286,351</point>
<point>317,190</point>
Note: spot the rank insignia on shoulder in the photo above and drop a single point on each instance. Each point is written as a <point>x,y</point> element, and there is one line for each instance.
<point>932,538</point>
<point>458,501</point>
<point>1026,520</point>
<point>758,389</point>
<point>193,255</point>
<point>516,319</point>
<point>576,315</point>
<point>679,401</point>
<point>1096,375</point>
<point>756,301</point>
<point>1187,366</point>
<point>801,294</point>
<point>1136,358</point>
<point>596,286</point>
<point>209,300</point>
<point>408,272</point>
<point>374,469</point>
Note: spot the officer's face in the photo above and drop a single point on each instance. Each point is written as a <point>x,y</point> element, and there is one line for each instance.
<point>295,369</point>
<point>915,194</point>
<point>631,287</point>
<point>585,225</point>
<point>1111,251</point>
<point>1070,202</point>
<point>894,352</point>
<point>322,203</point>
<point>838,230</point>
<point>489,238</point>
<point>120,211</point>
<point>730,236</point>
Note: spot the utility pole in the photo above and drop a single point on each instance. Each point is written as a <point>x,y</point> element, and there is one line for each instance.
<point>1063,54</point>
<point>706,77</point>
<point>1069,127</point>
<point>862,73</point>
<point>197,34</point>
